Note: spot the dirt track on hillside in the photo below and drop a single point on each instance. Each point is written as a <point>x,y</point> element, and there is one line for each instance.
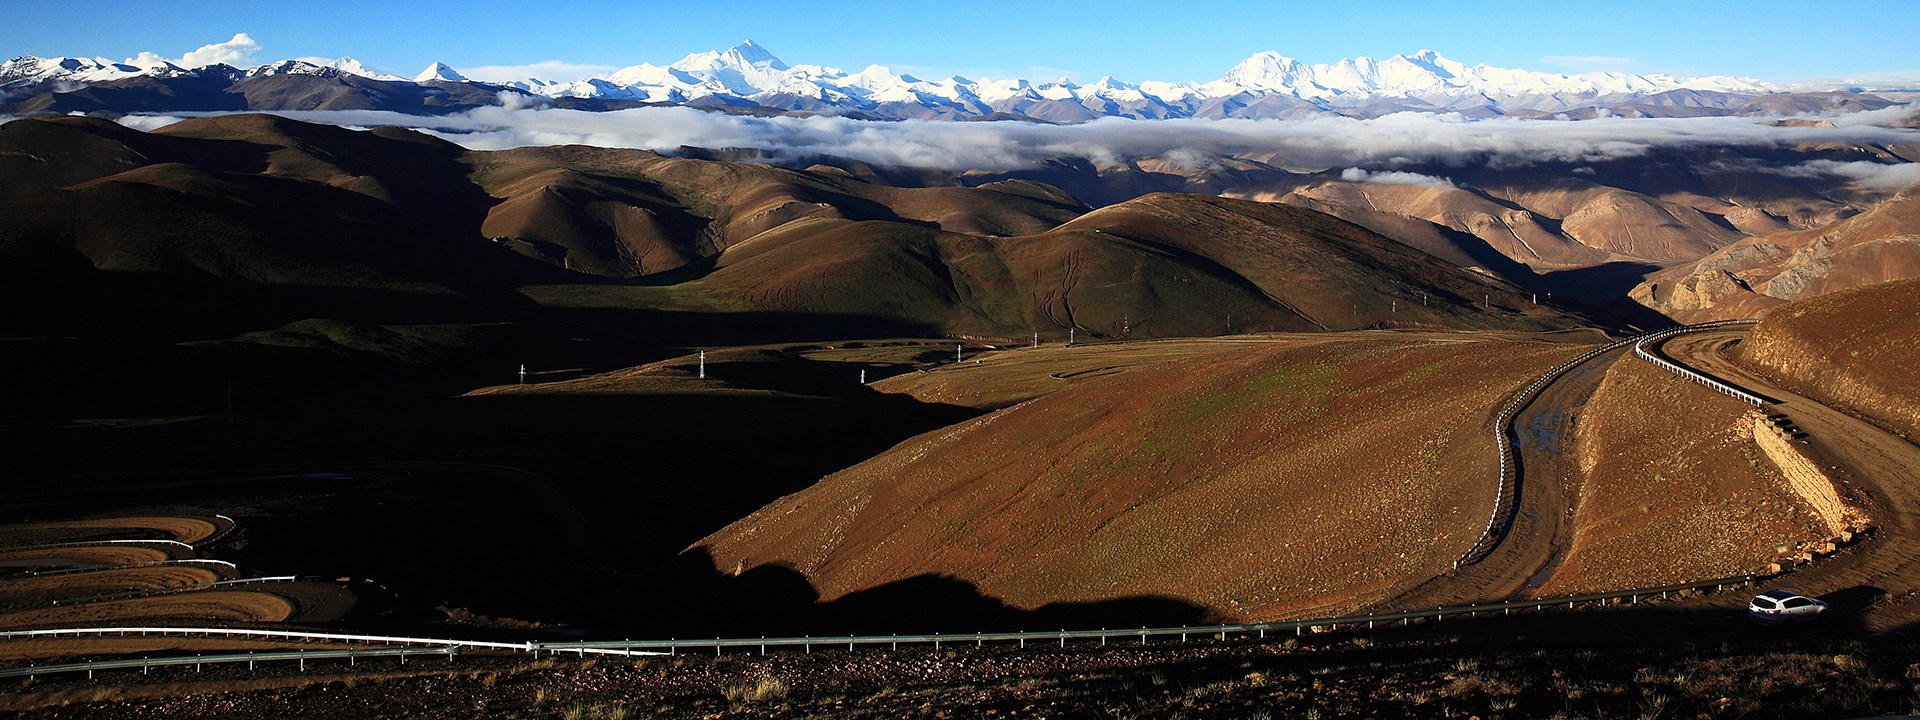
<point>1877,470</point>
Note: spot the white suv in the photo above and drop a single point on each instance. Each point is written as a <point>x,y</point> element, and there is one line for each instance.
<point>1780,607</point>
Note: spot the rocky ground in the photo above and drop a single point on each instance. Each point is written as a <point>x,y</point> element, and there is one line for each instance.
<point>1639,663</point>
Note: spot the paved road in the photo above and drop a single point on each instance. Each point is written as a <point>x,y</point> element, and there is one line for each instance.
<point>1879,578</point>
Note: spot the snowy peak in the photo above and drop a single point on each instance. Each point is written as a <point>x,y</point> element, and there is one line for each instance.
<point>743,57</point>
<point>293,67</point>
<point>1428,75</point>
<point>351,66</point>
<point>439,72</point>
<point>751,54</point>
<point>1267,69</point>
<point>29,69</point>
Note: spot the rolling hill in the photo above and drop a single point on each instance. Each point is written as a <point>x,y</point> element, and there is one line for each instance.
<point>261,205</point>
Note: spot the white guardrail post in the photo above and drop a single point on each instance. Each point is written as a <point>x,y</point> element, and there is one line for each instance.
<point>1645,350</point>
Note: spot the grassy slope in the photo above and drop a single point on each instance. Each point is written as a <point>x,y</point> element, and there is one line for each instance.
<point>1853,347</point>
<point>1312,475</point>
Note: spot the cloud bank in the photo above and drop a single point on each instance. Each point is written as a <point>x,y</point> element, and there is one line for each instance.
<point>1387,143</point>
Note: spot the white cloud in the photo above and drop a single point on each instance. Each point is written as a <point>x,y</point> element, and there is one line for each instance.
<point>554,70</point>
<point>1875,175</point>
<point>237,51</point>
<point>1392,177</point>
<point>1880,176</point>
<point>1890,115</point>
<point>1386,143</point>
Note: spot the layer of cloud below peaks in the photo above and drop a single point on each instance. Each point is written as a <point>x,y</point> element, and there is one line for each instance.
<point>1869,174</point>
<point>1387,143</point>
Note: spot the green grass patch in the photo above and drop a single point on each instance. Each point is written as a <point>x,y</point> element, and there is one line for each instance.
<point>1292,388</point>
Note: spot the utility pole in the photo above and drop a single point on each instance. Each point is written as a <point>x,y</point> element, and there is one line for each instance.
<point>703,364</point>
<point>863,376</point>
<point>957,359</point>
<point>523,373</point>
<point>1536,298</point>
<point>1395,304</point>
<point>1036,339</point>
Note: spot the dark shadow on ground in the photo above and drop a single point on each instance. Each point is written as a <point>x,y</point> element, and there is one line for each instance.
<point>692,598</point>
<point>652,471</point>
<point>1597,284</point>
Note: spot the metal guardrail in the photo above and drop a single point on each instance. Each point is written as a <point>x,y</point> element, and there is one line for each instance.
<point>1646,352</point>
<point>301,656</point>
<point>806,643</point>
<point>85,543</point>
<point>187,561</point>
<point>1257,630</point>
<point>1505,497</point>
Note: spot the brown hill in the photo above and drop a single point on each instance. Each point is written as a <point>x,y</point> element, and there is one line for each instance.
<point>629,213</point>
<point>1158,266</point>
<point>1311,475</point>
<point>1547,223</point>
<point>1746,278</point>
<point>1852,348</point>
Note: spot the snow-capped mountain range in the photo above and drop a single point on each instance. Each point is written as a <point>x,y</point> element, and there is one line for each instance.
<point>749,72</point>
<point>747,76</point>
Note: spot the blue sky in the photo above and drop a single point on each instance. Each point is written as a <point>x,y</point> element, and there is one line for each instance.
<point>1129,39</point>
